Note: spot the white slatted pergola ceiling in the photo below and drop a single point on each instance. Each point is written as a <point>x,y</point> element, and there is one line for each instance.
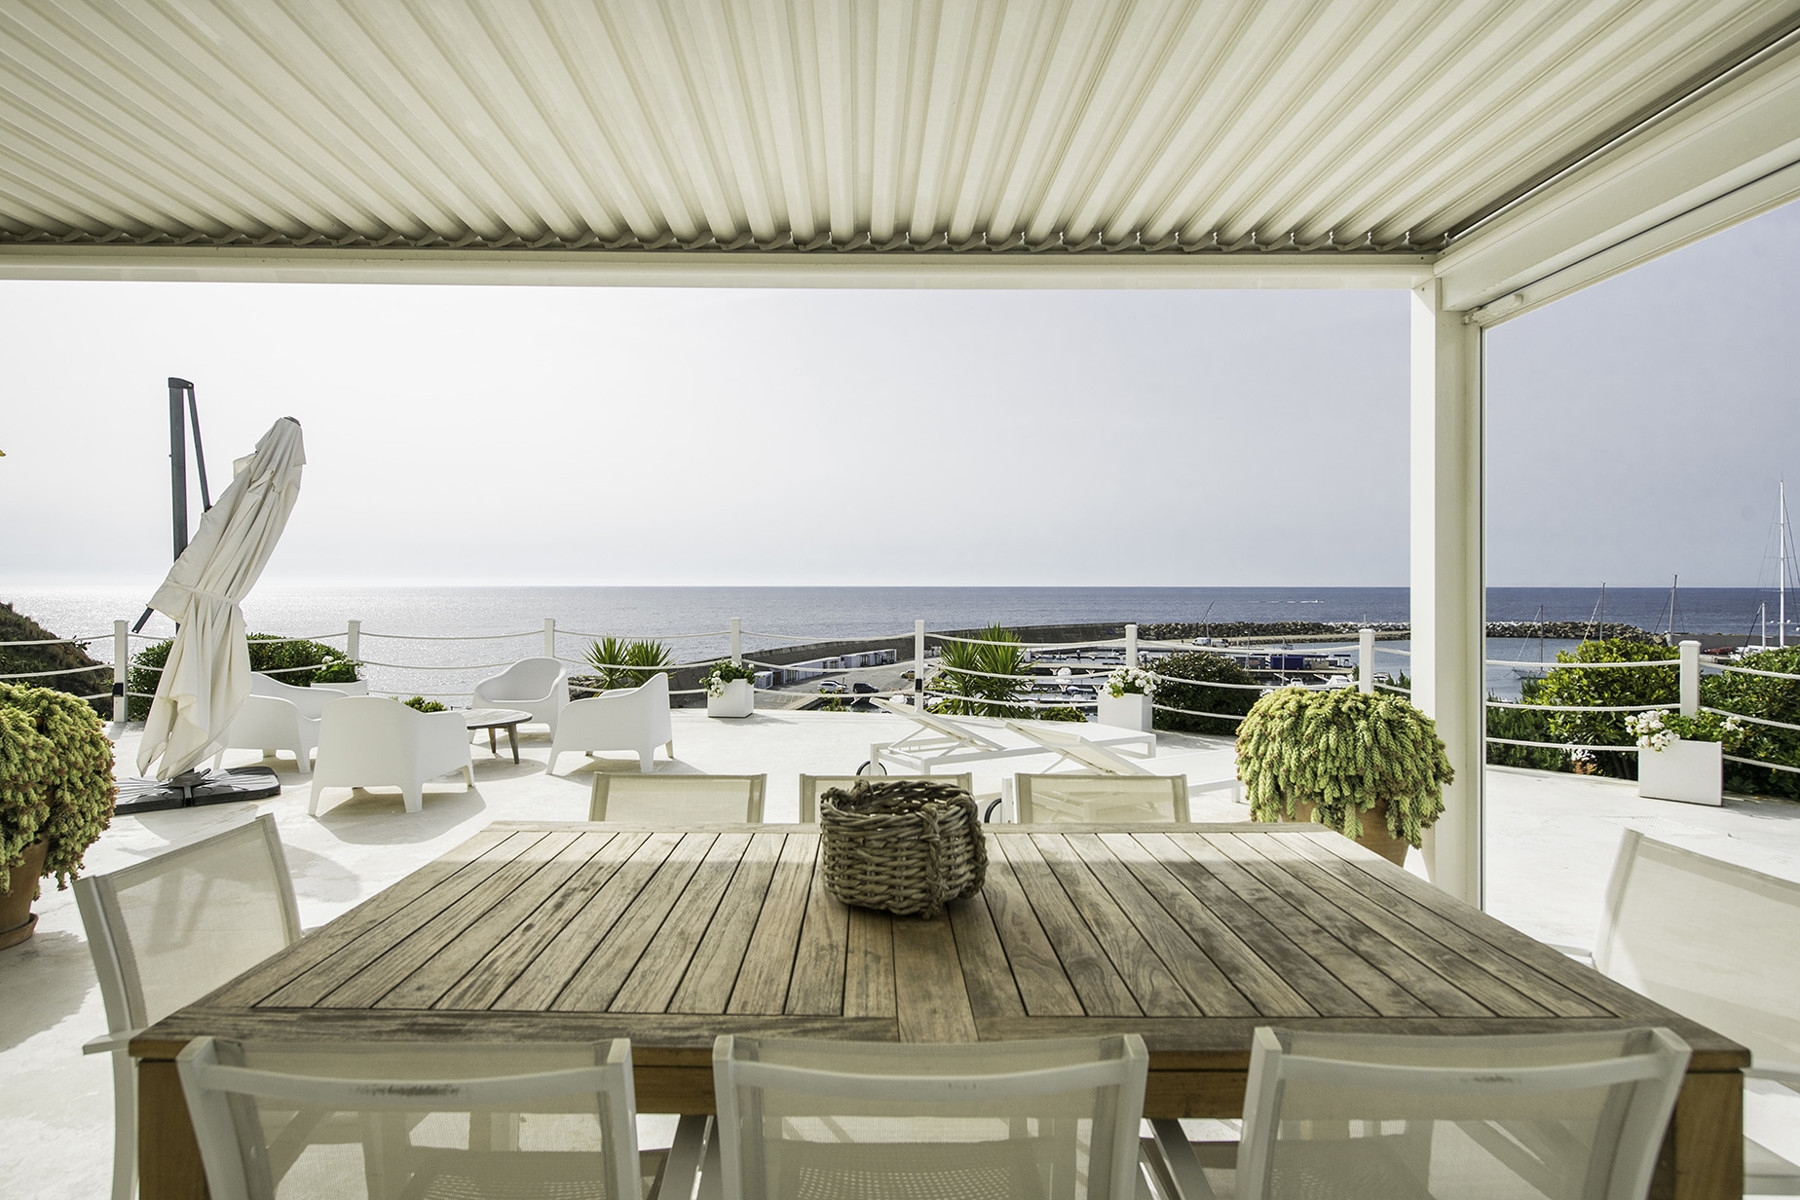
<point>287,130</point>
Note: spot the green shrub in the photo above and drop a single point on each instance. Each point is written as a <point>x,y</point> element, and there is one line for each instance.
<point>1343,752</point>
<point>981,695</point>
<point>1175,691</point>
<point>1525,726</point>
<point>1625,686</point>
<point>24,764</point>
<point>58,656</point>
<point>1772,700</point>
<point>1061,712</point>
<point>269,652</point>
<point>627,664</point>
<point>423,705</point>
<point>76,780</point>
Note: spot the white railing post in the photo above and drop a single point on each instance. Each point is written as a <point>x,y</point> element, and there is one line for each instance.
<point>549,637</point>
<point>737,639</point>
<point>1131,659</point>
<point>121,664</point>
<point>353,641</point>
<point>919,665</point>
<point>1365,661</point>
<point>1690,678</point>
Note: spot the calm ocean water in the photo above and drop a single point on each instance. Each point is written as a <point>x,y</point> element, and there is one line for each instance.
<point>695,618</point>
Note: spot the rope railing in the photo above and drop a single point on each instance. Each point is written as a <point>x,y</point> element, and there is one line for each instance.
<point>1194,712</point>
<point>370,662</point>
<point>1584,708</point>
<point>847,637</point>
<point>1757,762</point>
<point>63,671</point>
<point>1735,670</point>
<point>639,637</point>
<point>1746,717</point>
<point>1500,741</point>
<point>448,637</point>
<point>945,637</point>
<point>78,642</point>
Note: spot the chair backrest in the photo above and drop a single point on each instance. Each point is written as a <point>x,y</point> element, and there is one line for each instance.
<point>526,679</point>
<point>310,703</point>
<point>167,931</point>
<point>454,1119</point>
<point>1092,797</point>
<point>1073,746</point>
<point>370,725</point>
<point>814,786</point>
<point>1575,1116</point>
<point>831,1118</point>
<point>1716,942</point>
<point>684,799</point>
<point>957,732</point>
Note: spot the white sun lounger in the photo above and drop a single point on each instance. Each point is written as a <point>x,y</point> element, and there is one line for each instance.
<point>1094,755</point>
<point>940,741</point>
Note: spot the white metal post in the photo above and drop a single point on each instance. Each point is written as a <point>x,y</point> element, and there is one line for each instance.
<point>1131,658</point>
<point>919,665</point>
<point>549,637</point>
<point>1690,679</point>
<point>353,641</point>
<point>1365,661</point>
<point>737,639</point>
<point>121,665</point>
<point>1448,574</point>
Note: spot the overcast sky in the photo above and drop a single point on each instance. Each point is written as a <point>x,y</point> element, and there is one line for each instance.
<point>571,435</point>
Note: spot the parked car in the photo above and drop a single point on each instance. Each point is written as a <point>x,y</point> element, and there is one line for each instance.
<point>831,687</point>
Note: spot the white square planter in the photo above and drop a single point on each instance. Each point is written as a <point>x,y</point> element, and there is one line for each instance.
<point>738,701</point>
<point>1130,711</point>
<point>1687,771</point>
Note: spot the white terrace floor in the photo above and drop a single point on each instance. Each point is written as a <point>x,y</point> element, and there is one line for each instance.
<point>1551,840</point>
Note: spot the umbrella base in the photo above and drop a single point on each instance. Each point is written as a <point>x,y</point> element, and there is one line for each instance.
<point>191,788</point>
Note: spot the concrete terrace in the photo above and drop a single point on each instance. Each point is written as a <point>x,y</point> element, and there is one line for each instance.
<point>1551,841</point>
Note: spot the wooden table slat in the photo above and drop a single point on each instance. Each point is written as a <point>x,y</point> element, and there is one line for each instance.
<point>993,992</point>
<point>869,986</point>
<point>536,988</point>
<point>768,968</point>
<point>818,981</point>
<point>1084,961</point>
<point>1257,980</point>
<point>1372,880</point>
<point>932,996</point>
<point>669,956</point>
<point>720,955</point>
<point>1037,973</point>
<point>1153,985</point>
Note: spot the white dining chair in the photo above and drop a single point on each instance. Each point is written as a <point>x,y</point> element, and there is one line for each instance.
<point>1002,1119</point>
<point>621,719</point>
<point>682,799</point>
<point>1096,798</point>
<point>422,1121</point>
<point>1348,1116</point>
<point>278,716</point>
<point>539,686</point>
<point>166,931</point>
<point>814,786</point>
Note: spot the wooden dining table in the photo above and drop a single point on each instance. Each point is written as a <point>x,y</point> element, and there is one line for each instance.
<point>1190,935</point>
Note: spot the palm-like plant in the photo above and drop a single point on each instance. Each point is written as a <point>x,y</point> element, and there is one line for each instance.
<point>974,675</point>
<point>627,664</point>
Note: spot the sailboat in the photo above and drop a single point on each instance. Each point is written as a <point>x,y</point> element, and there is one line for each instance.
<point>1784,556</point>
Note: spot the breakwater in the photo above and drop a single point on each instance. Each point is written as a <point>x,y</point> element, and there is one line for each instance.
<point>1182,631</point>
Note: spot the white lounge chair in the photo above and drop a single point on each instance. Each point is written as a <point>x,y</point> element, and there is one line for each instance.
<point>539,686</point>
<point>1095,755</point>
<point>1720,944</point>
<point>278,716</point>
<point>622,719</point>
<point>941,741</point>
<point>684,799</point>
<point>371,741</point>
<point>166,931</point>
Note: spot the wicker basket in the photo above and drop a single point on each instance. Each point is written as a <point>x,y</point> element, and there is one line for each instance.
<point>907,847</point>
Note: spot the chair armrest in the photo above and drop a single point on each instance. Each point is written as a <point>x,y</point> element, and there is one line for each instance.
<point>1584,953</point>
<point>106,1043</point>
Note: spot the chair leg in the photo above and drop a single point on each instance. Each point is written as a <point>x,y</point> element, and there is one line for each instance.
<point>550,766</point>
<point>414,797</point>
<point>469,776</point>
<point>647,760</point>
<point>124,1125</point>
<point>312,805</point>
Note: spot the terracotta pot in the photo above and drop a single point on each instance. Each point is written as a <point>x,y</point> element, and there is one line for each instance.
<point>1375,835</point>
<point>16,918</point>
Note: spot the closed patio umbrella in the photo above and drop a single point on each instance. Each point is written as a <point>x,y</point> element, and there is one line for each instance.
<point>207,675</point>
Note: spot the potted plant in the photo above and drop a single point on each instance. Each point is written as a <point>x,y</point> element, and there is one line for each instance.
<point>1683,758</point>
<point>56,796</point>
<point>1370,766</point>
<point>1127,697</point>
<point>728,690</point>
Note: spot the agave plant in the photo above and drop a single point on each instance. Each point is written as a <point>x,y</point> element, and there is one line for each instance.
<point>974,675</point>
<point>627,664</point>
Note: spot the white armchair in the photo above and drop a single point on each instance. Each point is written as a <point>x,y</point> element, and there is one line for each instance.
<point>539,686</point>
<point>371,741</point>
<point>622,719</point>
<point>277,716</point>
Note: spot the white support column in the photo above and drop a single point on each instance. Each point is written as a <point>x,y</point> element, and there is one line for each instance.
<point>549,637</point>
<point>121,669</point>
<point>919,665</point>
<point>1131,651</point>
<point>353,641</point>
<point>1365,661</point>
<point>1448,574</point>
<point>737,639</point>
<point>1690,679</point>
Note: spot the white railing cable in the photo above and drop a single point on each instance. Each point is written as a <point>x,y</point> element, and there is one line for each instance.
<point>1757,762</point>
<point>635,637</point>
<point>1194,712</point>
<point>1500,741</point>
<point>289,641</point>
<point>63,671</point>
<point>1672,664</point>
<point>450,637</point>
<point>369,662</point>
<point>1586,708</point>
<point>944,637</point>
<point>1754,671</point>
<point>1393,687</point>
<point>836,637</point>
<point>54,642</point>
<point>1746,717</point>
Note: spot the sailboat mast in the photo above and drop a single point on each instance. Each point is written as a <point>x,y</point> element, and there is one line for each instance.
<point>1781,592</point>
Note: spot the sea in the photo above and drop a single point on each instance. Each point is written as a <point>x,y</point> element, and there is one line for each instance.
<point>413,637</point>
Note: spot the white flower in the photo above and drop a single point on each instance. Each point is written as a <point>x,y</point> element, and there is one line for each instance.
<point>1125,681</point>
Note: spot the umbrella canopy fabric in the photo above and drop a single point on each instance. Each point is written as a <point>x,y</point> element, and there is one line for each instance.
<point>207,674</point>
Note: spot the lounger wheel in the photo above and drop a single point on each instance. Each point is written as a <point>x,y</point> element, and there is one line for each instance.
<point>987,815</point>
<point>872,768</point>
